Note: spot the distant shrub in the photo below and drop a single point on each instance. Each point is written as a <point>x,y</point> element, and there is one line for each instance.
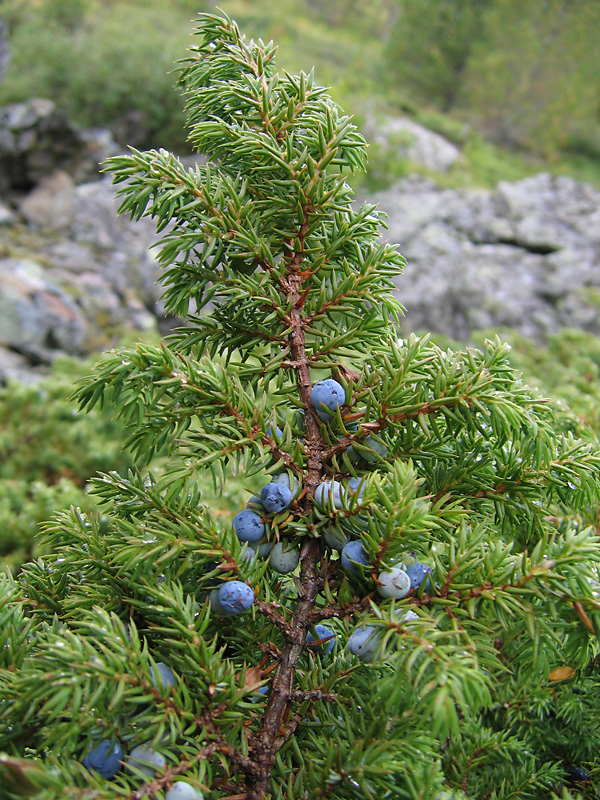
<point>525,73</point>
<point>568,369</point>
<point>532,77</point>
<point>583,144</point>
<point>24,506</point>
<point>429,46</point>
<point>75,61</point>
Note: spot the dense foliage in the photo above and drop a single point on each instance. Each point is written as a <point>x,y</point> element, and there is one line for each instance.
<point>151,623</point>
<point>523,74</point>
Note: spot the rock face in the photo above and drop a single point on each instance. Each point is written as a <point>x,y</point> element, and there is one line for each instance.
<point>526,255</point>
<point>36,139</point>
<point>73,273</point>
<point>407,140</point>
<point>86,273</point>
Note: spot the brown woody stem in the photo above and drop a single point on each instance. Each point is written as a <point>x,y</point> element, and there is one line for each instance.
<point>275,728</point>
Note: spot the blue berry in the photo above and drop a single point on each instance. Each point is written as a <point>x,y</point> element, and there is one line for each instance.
<point>364,642</point>
<point>146,760</point>
<point>248,526</point>
<point>284,558</point>
<point>335,538</point>
<point>288,480</point>
<point>261,690</point>
<point>262,548</point>
<point>248,554</point>
<point>354,554</point>
<point>393,582</point>
<point>327,396</point>
<point>578,774</point>
<point>162,674</point>
<point>234,597</point>
<point>274,434</point>
<point>409,616</point>
<point>329,489</point>
<point>323,632</point>
<point>357,484</point>
<point>105,758</point>
<point>417,574</point>
<point>183,791</point>
<point>380,450</point>
<point>275,497</point>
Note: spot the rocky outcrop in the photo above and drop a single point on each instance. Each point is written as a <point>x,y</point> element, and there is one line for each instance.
<point>526,255</point>
<point>403,139</point>
<point>74,273</point>
<point>36,139</point>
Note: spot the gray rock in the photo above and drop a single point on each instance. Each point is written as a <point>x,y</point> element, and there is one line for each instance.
<point>36,139</point>
<point>90,274</point>
<point>122,248</point>
<point>410,141</point>
<point>37,318</point>
<point>525,255</point>
<point>15,367</point>
<point>51,204</point>
<point>92,237</point>
<point>97,144</point>
<point>69,256</point>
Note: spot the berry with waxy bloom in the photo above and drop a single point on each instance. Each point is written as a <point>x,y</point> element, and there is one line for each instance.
<point>380,450</point>
<point>248,526</point>
<point>327,396</point>
<point>183,791</point>
<point>146,760</point>
<point>233,597</point>
<point>356,485</point>
<point>322,632</point>
<point>105,758</point>
<point>327,490</point>
<point>284,558</point>
<point>335,538</point>
<point>418,573</point>
<point>363,642</point>
<point>162,674</point>
<point>261,690</point>
<point>353,555</point>
<point>275,433</point>
<point>275,497</point>
<point>262,548</point>
<point>393,582</point>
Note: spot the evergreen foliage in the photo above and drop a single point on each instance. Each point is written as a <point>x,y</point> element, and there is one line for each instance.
<point>122,636</point>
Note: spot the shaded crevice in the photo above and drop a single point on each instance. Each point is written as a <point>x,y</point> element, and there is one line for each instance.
<point>535,249</point>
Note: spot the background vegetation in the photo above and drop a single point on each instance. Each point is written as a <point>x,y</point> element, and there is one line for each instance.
<point>514,83</point>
